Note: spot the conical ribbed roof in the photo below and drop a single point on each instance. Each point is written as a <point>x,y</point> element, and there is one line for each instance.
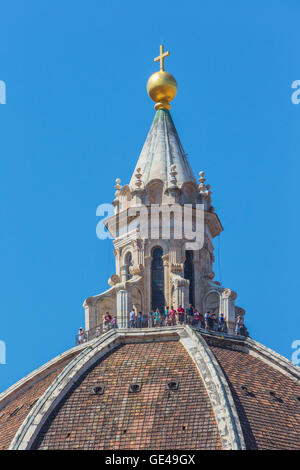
<point>161,150</point>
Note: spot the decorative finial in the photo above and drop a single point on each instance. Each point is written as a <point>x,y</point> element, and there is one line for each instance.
<point>173,174</point>
<point>162,86</point>
<point>205,191</point>
<point>118,187</point>
<point>138,176</point>
<point>201,181</point>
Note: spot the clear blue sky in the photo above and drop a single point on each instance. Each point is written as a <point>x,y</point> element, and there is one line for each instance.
<point>76,117</point>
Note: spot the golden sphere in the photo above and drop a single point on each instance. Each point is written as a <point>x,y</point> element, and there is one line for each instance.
<point>162,88</point>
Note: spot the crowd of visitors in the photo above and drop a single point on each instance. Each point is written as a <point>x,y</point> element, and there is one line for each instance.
<point>109,322</point>
<point>170,317</point>
<point>191,316</point>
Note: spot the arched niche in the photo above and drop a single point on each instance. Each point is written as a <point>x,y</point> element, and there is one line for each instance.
<point>137,299</point>
<point>163,244</point>
<point>212,303</point>
<point>128,263</point>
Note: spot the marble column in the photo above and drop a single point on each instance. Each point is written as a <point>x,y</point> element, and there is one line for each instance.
<point>123,308</point>
<point>228,308</point>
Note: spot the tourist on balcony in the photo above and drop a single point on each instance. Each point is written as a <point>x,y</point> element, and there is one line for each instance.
<point>139,320</point>
<point>195,320</point>
<point>222,323</point>
<point>216,323</point>
<point>190,315</point>
<point>107,321</point>
<point>144,320</point>
<point>243,329</point>
<point>98,332</point>
<point>180,312</point>
<point>169,319</point>
<point>157,317</point>
<point>172,316</point>
<point>114,323</point>
<point>81,335</point>
<point>132,319</point>
<point>150,319</point>
<point>201,321</point>
<point>167,316</point>
<point>210,321</point>
<point>238,325</point>
<point>206,319</point>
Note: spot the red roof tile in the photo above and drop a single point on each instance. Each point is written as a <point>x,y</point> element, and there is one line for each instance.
<point>14,413</point>
<point>268,422</point>
<point>154,418</point>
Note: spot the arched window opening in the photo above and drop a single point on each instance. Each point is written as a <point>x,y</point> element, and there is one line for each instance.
<point>157,280</point>
<point>190,275</point>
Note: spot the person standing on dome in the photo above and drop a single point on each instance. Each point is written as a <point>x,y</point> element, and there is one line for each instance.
<point>196,319</point>
<point>144,320</point>
<point>189,314</point>
<point>132,319</point>
<point>238,325</point>
<point>201,320</point>
<point>98,332</point>
<point>161,318</point>
<point>206,319</point>
<point>157,318</point>
<point>216,323</point>
<point>222,323</point>
<point>107,321</point>
<point>180,311</point>
<point>172,316</point>
<point>81,335</point>
<point>139,320</point>
<point>150,319</point>
<point>167,317</point>
<point>210,320</point>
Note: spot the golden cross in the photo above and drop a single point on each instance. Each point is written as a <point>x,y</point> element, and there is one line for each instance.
<point>162,57</point>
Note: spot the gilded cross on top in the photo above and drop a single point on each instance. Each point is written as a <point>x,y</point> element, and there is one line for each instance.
<point>162,57</point>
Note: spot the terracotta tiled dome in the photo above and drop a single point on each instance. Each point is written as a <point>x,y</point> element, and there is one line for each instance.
<point>168,388</point>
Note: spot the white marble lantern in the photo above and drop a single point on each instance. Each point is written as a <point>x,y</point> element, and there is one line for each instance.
<point>152,270</point>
